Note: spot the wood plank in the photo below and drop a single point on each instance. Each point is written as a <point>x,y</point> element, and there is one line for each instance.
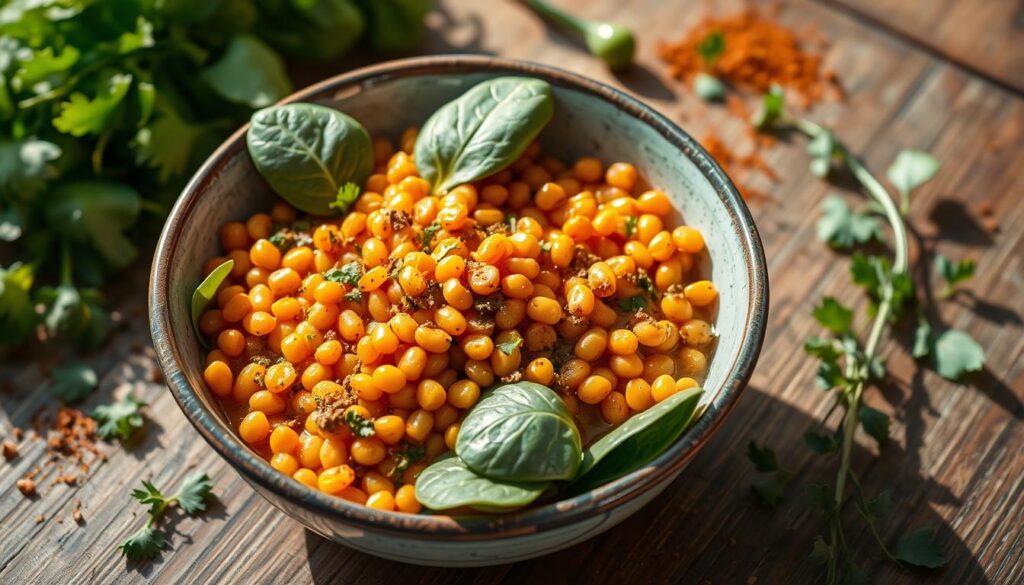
<point>954,462</point>
<point>986,36</point>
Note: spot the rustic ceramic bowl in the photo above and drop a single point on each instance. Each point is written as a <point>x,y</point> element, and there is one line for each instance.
<point>590,119</point>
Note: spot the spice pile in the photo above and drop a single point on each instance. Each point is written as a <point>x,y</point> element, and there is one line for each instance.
<point>71,448</point>
<point>751,51</point>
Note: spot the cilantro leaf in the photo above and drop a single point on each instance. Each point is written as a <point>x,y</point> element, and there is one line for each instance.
<point>508,347</point>
<point>875,275</point>
<point>711,47</point>
<point>955,353</point>
<point>170,144</point>
<point>80,115</point>
<point>911,169</point>
<point>348,274</point>
<point>643,280</point>
<point>119,419</point>
<point>347,195</point>
<point>708,87</point>
<point>192,493</point>
<point>875,424</point>
<point>249,73</point>
<point>150,496</point>
<point>920,548</point>
<point>45,65</point>
<point>953,273</point>
<point>770,489</point>
<point>25,167</point>
<point>96,212</point>
<point>822,149</point>
<point>143,544</point>
<point>843,228</point>
<point>880,505</point>
<point>821,444</point>
<point>832,315</point>
<point>360,426</point>
<point>73,381</point>
<point>407,457</point>
<point>428,235</point>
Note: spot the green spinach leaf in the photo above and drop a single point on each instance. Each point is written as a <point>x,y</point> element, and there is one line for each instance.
<point>483,131</point>
<point>205,292</point>
<point>449,483</point>
<point>520,432</point>
<point>640,439</point>
<point>308,153</point>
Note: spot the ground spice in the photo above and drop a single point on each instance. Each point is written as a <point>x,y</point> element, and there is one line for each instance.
<point>757,53</point>
<point>10,450</point>
<point>71,448</point>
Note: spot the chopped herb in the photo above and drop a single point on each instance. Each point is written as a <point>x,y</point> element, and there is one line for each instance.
<point>408,456</point>
<point>348,274</point>
<point>428,235</point>
<point>545,247</point>
<point>509,346</point>
<point>73,381</point>
<point>119,419</point>
<point>347,195</point>
<point>632,304</point>
<point>631,226</point>
<point>843,228</point>
<point>512,222</point>
<point>355,295</point>
<point>191,498</point>
<point>711,48</point>
<point>953,273</point>
<point>644,282</point>
<point>445,249</point>
<point>360,426</point>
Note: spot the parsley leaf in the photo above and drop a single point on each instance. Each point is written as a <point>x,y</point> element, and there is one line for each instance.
<point>191,498</point>
<point>711,47</point>
<point>643,280</point>
<point>119,419</point>
<point>822,149</point>
<point>821,444</point>
<point>428,235</point>
<point>773,107</point>
<point>144,544</point>
<point>843,228</point>
<point>832,315</point>
<point>73,381</point>
<point>81,115</point>
<point>911,169</point>
<point>763,458</point>
<point>508,347</point>
<point>360,426</point>
<point>347,195</point>
<point>96,212</point>
<point>770,489</point>
<point>955,353</point>
<point>170,144</point>
<point>953,273</point>
<point>355,295</point>
<point>192,493</point>
<point>406,457</point>
<point>445,249</point>
<point>920,548</point>
<point>26,166</point>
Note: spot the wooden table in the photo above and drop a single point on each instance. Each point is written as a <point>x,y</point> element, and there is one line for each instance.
<point>945,76</point>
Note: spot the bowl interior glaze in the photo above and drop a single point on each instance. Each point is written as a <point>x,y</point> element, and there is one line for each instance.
<point>590,119</point>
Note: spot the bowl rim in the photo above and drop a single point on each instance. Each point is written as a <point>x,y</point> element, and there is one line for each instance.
<point>534,520</point>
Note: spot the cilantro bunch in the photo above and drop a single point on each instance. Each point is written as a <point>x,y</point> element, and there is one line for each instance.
<point>106,108</point>
<point>848,356</point>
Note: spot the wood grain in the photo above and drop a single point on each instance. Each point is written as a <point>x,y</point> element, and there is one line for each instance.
<point>984,36</point>
<point>954,463</point>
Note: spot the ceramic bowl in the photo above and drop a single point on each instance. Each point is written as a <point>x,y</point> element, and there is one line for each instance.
<point>590,119</point>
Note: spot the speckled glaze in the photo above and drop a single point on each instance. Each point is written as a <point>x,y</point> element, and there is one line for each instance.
<point>590,119</point>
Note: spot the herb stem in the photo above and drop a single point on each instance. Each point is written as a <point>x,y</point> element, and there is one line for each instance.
<point>556,15</point>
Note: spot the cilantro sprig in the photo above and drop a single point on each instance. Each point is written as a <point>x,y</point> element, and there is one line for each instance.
<point>191,497</point>
<point>120,419</point>
<point>848,361</point>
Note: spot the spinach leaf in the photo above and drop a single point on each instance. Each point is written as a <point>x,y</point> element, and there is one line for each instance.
<point>248,73</point>
<point>308,153</point>
<point>520,432</point>
<point>483,131</point>
<point>637,441</point>
<point>205,292</point>
<point>448,483</point>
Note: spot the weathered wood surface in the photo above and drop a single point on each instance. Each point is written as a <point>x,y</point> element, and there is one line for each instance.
<point>955,462</point>
<point>982,35</point>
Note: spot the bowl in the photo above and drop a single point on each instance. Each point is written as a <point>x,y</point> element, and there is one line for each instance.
<point>590,118</point>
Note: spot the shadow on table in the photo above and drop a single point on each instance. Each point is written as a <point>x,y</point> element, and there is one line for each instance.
<point>706,527</point>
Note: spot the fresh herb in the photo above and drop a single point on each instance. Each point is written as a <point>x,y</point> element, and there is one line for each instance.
<point>910,170</point>
<point>448,483</point>
<point>347,195</point>
<point>708,87</point>
<point>446,249</point>
<point>953,273</point>
<point>348,274</point>
<point>483,131</point>
<point>638,440</point>
<point>120,419</point>
<point>846,366</point>
<point>355,295</point>
<point>308,153</point>
<point>512,221</point>
<point>770,484</point>
<point>550,450</point>
<point>843,228</point>
<point>206,291</point>
<point>632,304</point>
<point>249,73</point>
<point>428,235</point>
<point>711,48</point>
<point>610,42</point>
<point>508,347</point>
<point>647,285</point>
<point>73,381</point>
<point>361,427</point>
<point>190,497</point>
<point>406,457</point>
<point>17,315</point>
<point>631,221</point>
